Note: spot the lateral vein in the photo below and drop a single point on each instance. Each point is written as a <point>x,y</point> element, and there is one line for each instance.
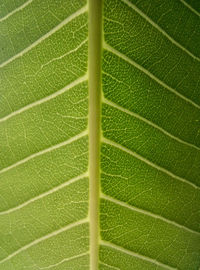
<point>16,10</point>
<point>137,255</point>
<point>147,213</point>
<point>67,20</point>
<point>47,98</point>
<point>43,238</point>
<point>160,29</point>
<point>108,265</point>
<point>78,136</point>
<point>191,8</point>
<point>112,104</point>
<point>148,73</point>
<point>124,149</point>
<point>68,183</point>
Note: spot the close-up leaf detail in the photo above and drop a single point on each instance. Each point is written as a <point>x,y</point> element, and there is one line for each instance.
<point>99,134</point>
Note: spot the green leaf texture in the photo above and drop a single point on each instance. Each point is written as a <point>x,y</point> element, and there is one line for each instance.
<point>146,195</point>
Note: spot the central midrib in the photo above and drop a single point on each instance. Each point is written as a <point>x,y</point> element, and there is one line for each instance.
<point>95,48</point>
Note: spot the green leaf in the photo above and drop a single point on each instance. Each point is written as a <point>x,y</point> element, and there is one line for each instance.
<point>99,135</point>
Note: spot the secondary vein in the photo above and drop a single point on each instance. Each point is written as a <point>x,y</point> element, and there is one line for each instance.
<point>49,149</point>
<point>43,238</point>
<point>148,213</point>
<point>130,152</point>
<point>148,73</point>
<point>16,10</point>
<point>127,2</point>
<point>122,109</point>
<point>53,30</point>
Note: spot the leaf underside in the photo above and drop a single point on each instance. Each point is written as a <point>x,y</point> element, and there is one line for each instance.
<point>149,198</point>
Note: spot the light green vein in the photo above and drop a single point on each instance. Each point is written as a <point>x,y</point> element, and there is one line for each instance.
<point>69,182</point>
<point>124,149</point>
<point>134,254</point>
<point>16,10</point>
<point>125,58</point>
<point>112,104</point>
<point>189,7</point>
<point>75,138</point>
<point>160,29</point>
<point>62,56</point>
<point>43,238</point>
<point>109,266</point>
<point>38,102</point>
<point>147,213</point>
<point>66,260</point>
<point>67,20</point>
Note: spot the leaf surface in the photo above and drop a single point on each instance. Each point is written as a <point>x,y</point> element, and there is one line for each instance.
<point>140,136</point>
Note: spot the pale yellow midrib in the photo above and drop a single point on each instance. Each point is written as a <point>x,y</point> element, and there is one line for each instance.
<point>95,46</point>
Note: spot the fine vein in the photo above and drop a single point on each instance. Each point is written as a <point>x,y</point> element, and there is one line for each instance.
<point>66,260</point>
